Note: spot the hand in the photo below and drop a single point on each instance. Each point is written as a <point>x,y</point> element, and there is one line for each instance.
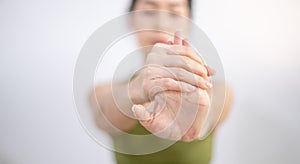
<point>176,115</point>
<point>172,67</point>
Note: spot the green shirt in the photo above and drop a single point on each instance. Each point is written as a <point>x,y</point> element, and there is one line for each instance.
<point>196,152</point>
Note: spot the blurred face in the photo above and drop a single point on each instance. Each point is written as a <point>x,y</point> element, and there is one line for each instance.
<point>169,18</point>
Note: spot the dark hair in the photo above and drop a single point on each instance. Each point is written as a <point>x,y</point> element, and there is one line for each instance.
<point>133,2</point>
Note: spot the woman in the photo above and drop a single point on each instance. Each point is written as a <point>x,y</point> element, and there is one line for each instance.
<point>155,89</point>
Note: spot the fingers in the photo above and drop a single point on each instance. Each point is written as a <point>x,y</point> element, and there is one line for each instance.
<point>180,43</point>
<point>146,113</point>
<point>181,62</point>
<point>177,50</point>
<point>184,51</point>
<point>154,79</point>
<point>180,47</point>
<point>210,71</point>
<point>167,84</point>
<point>181,75</point>
<point>177,38</point>
<point>184,68</point>
<point>185,43</point>
<point>162,51</point>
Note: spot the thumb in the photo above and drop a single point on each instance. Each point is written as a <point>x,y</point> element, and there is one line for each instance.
<point>141,113</point>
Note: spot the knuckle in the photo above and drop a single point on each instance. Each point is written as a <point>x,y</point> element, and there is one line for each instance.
<point>200,81</point>
<point>181,49</point>
<point>158,47</point>
<point>177,50</point>
<point>148,72</point>
<point>151,58</point>
<point>187,50</point>
<point>167,82</point>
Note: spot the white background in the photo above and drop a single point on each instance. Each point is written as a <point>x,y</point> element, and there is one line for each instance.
<point>258,41</point>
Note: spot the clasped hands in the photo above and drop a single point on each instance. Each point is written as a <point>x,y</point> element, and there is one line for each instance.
<point>171,92</point>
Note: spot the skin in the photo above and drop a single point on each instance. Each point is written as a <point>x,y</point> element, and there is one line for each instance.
<point>162,86</point>
<point>178,7</point>
<point>178,114</point>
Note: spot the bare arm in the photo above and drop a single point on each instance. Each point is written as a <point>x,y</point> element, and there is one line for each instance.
<point>227,104</point>
<point>226,107</point>
<point>109,105</point>
<point>190,75</point>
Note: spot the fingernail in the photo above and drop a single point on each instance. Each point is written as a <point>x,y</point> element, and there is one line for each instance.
<point>209,84</point>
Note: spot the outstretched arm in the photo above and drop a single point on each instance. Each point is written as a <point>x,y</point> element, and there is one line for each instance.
<point>107,109</point>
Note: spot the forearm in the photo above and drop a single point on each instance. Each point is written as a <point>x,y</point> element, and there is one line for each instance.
<point>227,104</point>
<point>109,104</point>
